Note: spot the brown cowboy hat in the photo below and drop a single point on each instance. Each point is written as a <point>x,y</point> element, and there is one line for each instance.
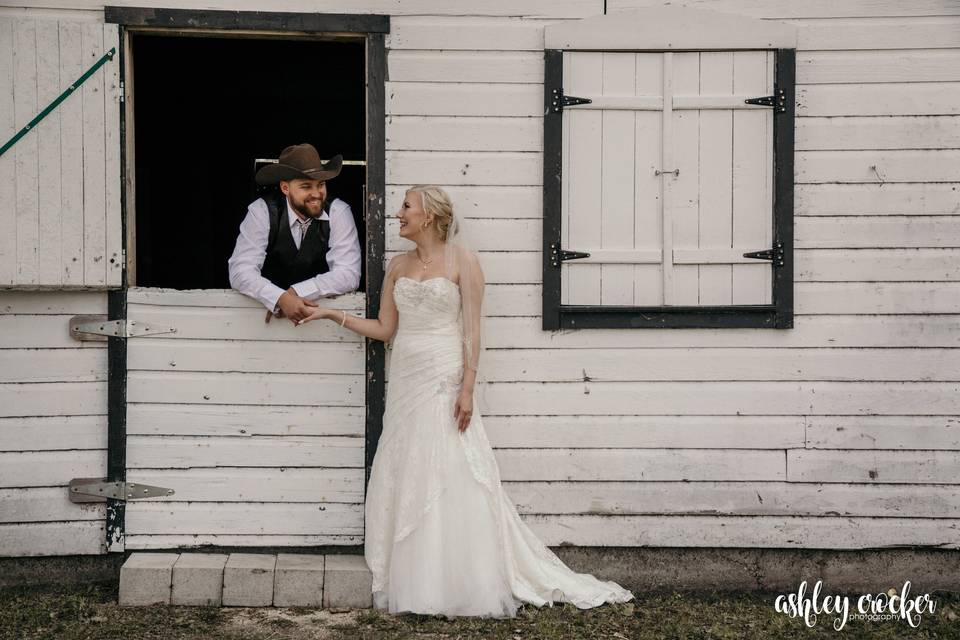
<point>299,161</point>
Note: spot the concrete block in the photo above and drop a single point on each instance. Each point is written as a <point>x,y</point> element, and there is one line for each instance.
<point>248,580</point>
<point>145,579</point>
<point>198,579</point>
<point>299,581</point>
<point>348,582</point>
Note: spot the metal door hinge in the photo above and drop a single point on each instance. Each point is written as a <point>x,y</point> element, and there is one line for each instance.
<point>775,255</point>
<point>560,101</point>
<point>97,327</point>
<point>98,490</point>
<point>777,101</point>
<point>558,255</point>
<point>122,99</point>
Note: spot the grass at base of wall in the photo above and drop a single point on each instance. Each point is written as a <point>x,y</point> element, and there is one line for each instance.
<point>90,612</point>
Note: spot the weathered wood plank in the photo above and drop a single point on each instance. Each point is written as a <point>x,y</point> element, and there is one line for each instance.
<point>162,452</point>
<point>113,250</point>
<point>464,168</point>
<point>845,465</point>
<point>735,499</point>
<point>222,298</point>
<point>871,132</point>
<point>645,432</point>
<point>133,541</point>
<point>464,133</point>
<point>838,34</point>
<point>244,388</point>
<point>72,157</point>
<point>272,485</point>
<point>53,365</point>
<point>49,86</point>
<point>234,518</point>
<point>485,235</point>
<point>897,65</point>
<point>809,9</point>
<point>26,154</point>
<point>640,464</point>
<point>745,531</point>
<point>883,432</point>
<point>518,67</point>
<point>53,432</point>
<point>246,323</point>
<point>470,201</point>
<point>810,331</point>
<point>94,176</point>
<point>708,364</point>
<point>464,99</point>
<point>878,99</point>
<point>246,356</point>
<point>45,504</point>
<point>865,232</point>
<point>8,168</point>
<point>53,399</point>
<point>50,468</point>
<point>723,398</point>
<point>878,199</point>
<point>877,297</point>
<point>40,332</point>
<point>468,32</point>
<point>53,538</point>
<point>865,265</point>
<point>53,302</point>
<point>877,167</point>
<point>247,421</point>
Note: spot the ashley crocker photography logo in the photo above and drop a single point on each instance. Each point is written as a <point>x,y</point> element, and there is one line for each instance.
<point>871,606</point>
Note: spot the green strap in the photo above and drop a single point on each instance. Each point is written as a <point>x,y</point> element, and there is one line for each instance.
<point>63,96</point>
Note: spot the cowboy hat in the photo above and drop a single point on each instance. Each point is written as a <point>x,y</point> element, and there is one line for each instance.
<point>299,161</point>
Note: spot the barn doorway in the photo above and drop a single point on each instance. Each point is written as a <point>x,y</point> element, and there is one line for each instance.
<point>256,435</point>
<point>206,110</point>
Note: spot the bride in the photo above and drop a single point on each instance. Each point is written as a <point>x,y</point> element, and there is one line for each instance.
<point>442,535</point>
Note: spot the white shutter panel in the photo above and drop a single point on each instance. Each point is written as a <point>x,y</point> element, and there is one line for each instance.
<point>60,183</point>
<point>660,239</point>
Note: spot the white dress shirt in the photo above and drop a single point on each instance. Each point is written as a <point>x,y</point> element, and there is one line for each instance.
<point>343,255</point>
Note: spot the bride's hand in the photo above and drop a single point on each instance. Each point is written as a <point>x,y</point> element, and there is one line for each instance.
<point>463,410</point>
<point>318,314</point>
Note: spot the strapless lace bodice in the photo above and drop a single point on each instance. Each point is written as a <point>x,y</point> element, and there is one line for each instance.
<point>427,305</point>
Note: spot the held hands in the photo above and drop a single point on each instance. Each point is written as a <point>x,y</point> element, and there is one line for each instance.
<point>294,307</point>
<point>318,313</point>
<point>463,410</point>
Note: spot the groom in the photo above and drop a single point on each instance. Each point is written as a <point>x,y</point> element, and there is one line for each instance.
<point>295,246</point>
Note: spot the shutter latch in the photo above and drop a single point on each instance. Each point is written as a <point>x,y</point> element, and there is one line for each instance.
<point>775,255</point>
<point>778,101</point>
<point>558,255</point>
<point>560,101</point>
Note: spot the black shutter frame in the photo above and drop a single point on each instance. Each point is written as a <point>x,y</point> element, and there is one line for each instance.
<point>778,315</point>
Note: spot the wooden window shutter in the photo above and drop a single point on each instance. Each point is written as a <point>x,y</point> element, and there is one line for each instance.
<point>60,183</point>
<point>662,169</point>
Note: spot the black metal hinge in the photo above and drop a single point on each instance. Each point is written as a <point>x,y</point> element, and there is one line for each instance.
<point>560,101</point>
<point>778,101</point>
<point>558,255</point>
<point>775,255</point>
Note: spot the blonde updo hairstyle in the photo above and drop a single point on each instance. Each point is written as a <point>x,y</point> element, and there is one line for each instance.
<point>437,202</point>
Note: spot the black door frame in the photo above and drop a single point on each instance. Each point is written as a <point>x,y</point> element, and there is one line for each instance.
<point>371,27</point>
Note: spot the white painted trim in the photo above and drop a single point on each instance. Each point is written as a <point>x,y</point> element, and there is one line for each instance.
<point>672,28</point>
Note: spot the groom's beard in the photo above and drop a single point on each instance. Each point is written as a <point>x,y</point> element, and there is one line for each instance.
<point>303,209</point>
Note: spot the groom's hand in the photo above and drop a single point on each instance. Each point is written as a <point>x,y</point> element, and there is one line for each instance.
<point>294,307</point>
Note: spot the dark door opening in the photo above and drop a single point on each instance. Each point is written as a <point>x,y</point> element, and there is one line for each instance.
<point>205,110</point>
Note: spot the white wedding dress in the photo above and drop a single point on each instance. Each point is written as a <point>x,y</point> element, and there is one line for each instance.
<point>442,536</point>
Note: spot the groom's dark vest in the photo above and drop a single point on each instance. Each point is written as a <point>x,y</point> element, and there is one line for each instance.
<point>284,264</point>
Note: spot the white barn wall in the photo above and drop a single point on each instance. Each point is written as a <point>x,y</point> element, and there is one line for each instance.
<point>848,423</point>
<point>839,433</point>
<point>53,424</point>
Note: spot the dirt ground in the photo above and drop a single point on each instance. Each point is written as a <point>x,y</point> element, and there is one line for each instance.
<point>91,612</point>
